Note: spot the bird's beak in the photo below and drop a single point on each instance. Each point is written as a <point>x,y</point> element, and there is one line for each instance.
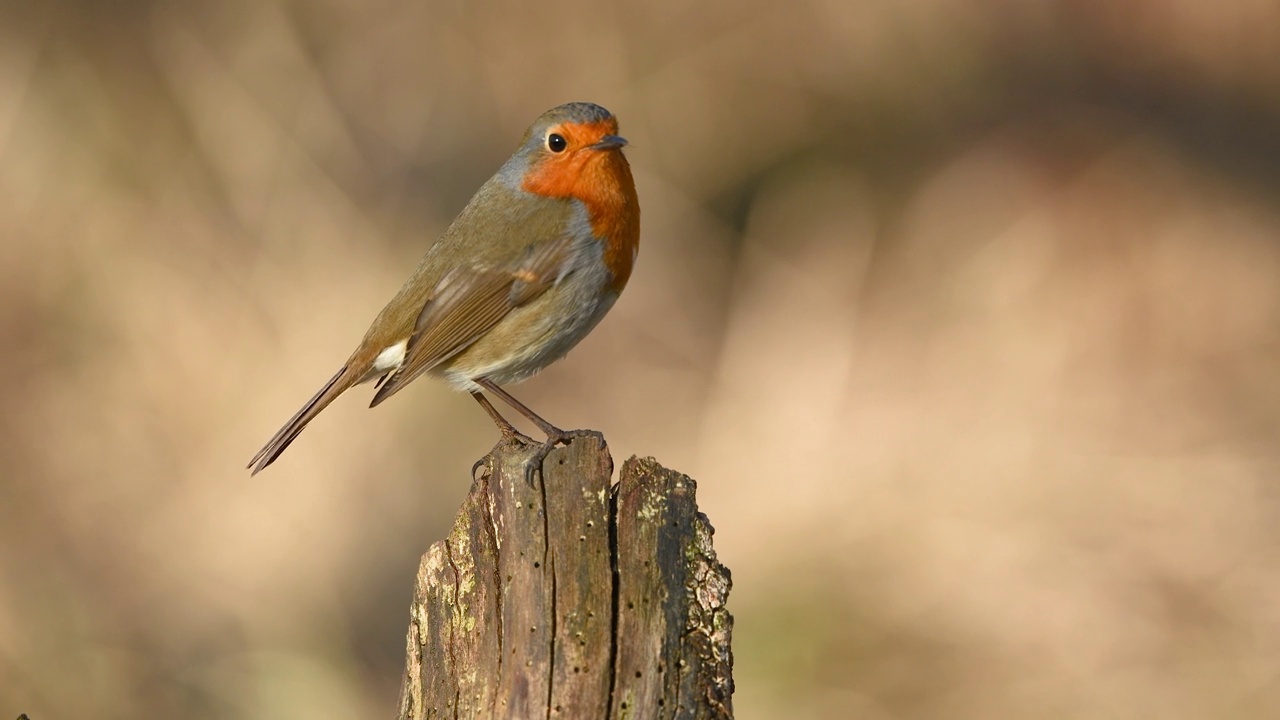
<point>609,142</point>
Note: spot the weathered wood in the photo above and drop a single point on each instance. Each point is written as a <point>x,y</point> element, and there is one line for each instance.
<point>556,596</point>
<point>673,628</point>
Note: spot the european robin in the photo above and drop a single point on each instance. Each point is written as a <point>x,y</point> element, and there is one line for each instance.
<point>523,273</point>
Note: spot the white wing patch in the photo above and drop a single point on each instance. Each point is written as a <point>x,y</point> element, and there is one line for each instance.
<point>392,357</point>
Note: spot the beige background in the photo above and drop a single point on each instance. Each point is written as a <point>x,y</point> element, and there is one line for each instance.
<point>964,314</point>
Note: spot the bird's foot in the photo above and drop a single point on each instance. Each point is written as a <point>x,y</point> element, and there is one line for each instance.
<point>555,437</point>
<point>516,437</point>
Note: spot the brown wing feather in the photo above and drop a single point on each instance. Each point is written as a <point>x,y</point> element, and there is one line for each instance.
<point>467,303</point>
<point>456,325</point>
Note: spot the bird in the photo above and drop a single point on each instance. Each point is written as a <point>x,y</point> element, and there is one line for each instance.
<point>526,270</point>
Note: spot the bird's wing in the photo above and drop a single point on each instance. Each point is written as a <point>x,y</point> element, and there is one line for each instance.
<point>469,301</point>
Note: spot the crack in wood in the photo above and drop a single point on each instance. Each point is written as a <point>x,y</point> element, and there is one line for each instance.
<point>613,610</point>
<point>548,565</point>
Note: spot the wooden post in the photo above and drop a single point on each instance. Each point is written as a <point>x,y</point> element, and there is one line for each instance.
<point>556,596</point>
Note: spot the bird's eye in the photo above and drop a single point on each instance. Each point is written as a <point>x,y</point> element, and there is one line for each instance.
<point>556,143</point>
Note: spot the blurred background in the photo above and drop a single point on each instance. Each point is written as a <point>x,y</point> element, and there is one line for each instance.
<point>965,316</point>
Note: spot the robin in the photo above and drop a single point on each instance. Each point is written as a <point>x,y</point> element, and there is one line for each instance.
<point>525,271</point>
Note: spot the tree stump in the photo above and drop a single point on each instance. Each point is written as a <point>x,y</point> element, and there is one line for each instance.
<point>556,596</point>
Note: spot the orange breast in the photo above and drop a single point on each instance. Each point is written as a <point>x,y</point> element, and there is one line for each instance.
<point>602,181</point>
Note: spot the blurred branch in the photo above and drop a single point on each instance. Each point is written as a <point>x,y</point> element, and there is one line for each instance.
<point>581,600</point>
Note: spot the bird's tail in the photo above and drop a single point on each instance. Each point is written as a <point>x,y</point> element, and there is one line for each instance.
<point>278,442</point>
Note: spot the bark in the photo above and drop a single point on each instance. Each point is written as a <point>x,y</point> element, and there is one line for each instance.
<point>558,596</point>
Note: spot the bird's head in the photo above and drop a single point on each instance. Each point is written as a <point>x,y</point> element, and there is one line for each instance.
<point>574,151</point>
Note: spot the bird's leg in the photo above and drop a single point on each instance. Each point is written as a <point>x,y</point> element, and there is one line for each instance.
<point>555,435</point>
<point>508,430</point>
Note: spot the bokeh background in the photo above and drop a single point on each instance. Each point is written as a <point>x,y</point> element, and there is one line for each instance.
<point>964,314</point>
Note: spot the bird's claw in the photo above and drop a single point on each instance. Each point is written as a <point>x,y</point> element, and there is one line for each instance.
<point>560,437</point>
<point>486,461</point>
